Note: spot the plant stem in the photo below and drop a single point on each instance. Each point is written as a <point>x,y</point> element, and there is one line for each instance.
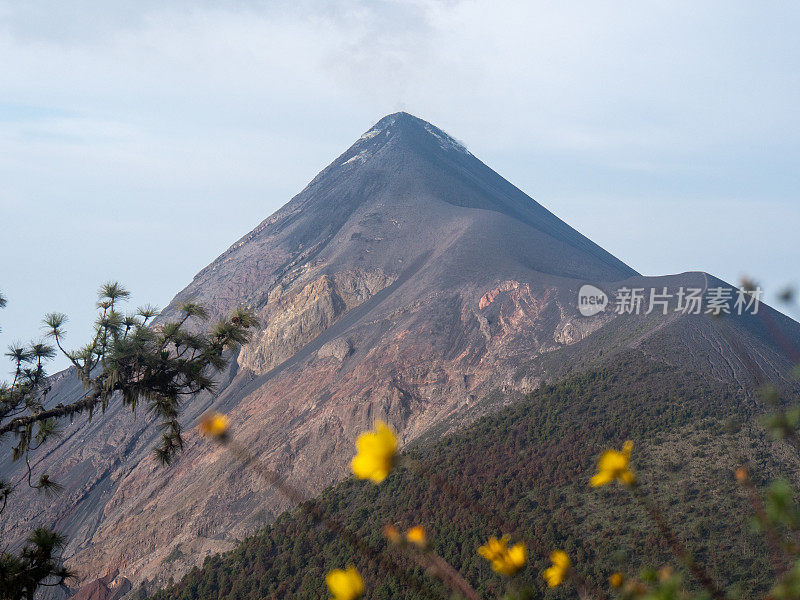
<point>446,572</point>
<point>677,547</point>
<point>311,508</point>
<point>773,542</point>
<point>498,522</point>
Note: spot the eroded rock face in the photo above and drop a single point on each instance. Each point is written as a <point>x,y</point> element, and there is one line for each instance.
<point>296,316</point>
<point>110,587</point>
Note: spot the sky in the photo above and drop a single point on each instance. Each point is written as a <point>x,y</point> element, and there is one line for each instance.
<point>139,140</point>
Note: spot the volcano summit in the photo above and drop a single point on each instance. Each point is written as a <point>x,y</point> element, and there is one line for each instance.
<point>407,282</point>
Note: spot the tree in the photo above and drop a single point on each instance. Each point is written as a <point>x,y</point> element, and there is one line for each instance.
<point>35,566</point>
<point>131,359</point>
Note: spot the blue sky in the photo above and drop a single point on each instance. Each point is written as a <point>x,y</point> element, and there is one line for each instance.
<point>138,142</point>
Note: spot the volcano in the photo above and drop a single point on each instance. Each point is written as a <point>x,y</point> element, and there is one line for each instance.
<point>407,282</point>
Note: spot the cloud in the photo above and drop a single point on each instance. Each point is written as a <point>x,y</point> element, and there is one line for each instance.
<point>580,76</point>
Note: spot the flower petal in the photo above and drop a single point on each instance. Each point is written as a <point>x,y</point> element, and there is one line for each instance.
<point>602,478</point>
<point>560,559</point>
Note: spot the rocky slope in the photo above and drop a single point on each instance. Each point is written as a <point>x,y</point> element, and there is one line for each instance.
<point>408,282</point>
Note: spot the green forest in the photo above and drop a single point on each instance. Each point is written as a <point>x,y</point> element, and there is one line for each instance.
<point>524,471</point>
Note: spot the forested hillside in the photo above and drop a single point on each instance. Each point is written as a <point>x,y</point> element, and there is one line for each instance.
<point>525,471</point>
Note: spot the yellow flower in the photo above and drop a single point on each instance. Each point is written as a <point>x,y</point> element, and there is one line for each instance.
<point>345,584</point>
<point>616,580</point>
<point>504,560</point>
<point>558,572</point>
<point>416,535</point>
<point>376,450</point>
<point>214,425</point>
<point>613,465</point>
<point>390,533</point>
